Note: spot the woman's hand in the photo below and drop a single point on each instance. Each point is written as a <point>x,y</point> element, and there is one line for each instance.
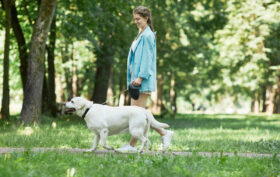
<point>137,82</point>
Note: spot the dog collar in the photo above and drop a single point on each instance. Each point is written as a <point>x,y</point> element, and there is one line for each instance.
<point>85,113</point>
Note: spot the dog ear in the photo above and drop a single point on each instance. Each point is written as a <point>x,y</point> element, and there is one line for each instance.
<point>80,104</point>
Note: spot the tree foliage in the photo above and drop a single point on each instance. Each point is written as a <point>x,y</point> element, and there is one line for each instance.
<point>206,50</point>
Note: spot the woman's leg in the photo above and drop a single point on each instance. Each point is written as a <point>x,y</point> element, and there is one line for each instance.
<point>165,134</point>
<point>141,102</point>
<point>161,131</point>
<point>166,137</point>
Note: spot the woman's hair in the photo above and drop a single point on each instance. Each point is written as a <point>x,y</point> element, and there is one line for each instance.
<point>144,12</point>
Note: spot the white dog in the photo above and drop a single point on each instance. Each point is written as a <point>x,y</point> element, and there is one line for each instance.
<point>107,120</point>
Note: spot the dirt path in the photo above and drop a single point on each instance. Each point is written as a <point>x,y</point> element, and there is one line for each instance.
<point>6,150</point>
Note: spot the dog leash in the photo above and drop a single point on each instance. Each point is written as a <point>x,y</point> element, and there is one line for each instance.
<point>113,97</point>
<point>86,111</point>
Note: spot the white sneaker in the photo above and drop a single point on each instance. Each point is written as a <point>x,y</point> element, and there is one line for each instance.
<point>127,149</point>
<point>166,140</point>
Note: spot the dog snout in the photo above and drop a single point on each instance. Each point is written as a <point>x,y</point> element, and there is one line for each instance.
<point>65,104</point>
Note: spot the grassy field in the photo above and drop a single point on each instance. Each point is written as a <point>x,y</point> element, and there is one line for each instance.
<point>64,164</point>
<point>195,133</point>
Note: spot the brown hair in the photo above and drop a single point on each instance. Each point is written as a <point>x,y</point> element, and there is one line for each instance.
<point>144,12</point>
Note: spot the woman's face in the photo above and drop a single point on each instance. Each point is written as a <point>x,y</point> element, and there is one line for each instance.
<point>141,22</point>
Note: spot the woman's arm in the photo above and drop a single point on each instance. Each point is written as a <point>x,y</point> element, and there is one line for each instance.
<point>147,56</point>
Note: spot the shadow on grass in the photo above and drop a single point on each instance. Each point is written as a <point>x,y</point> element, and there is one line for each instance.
<point>230,145</point>
<point>181,121</point>
<point>206,121</point>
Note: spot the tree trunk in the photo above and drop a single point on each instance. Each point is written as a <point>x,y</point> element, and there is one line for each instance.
<point>104,64</point>
<point>59,89</point>
<point>22,47</point>
<point>110,90</point>
<point>6,90</point>
<point>264,98</point>
<point>74,73</point>
<point>122,86</point>
<point>157,96</point>
<point>127,99</point>
<point>269,103</point>
<point>67,73</point>
<point>277,96</point>
<point>255,103</point>
<point>45,98</point>
<point>51,69</point>
<point>75,80</point>
<point>173,94</point>
<point>31,109</point>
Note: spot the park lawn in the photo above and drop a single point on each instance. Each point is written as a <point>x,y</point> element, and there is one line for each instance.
<point>89,164</point>
<point>194,132</point>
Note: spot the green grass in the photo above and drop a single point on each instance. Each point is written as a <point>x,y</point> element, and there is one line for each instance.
<point>62,164</point>
<point>228,133</point>
<point>196,132</point>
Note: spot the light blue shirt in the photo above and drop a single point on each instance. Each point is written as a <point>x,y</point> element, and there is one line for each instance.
<point>141,61</point>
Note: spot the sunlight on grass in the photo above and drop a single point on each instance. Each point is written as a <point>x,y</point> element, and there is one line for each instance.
<point>54,125</point>
<point>26,131</point>
<point>70,172</point>
<point>240,133</point>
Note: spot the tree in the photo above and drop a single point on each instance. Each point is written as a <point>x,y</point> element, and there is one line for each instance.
<point>107,38</point>
<point>32,101</point>
<point>107,34</point>
<point>6,90</point>
<point>51,69</point>
<point>22,47</point>
<point>272,100</point>
<point>243,53</point>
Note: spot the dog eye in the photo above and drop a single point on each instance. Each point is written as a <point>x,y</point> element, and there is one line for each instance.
<point>72,101</point>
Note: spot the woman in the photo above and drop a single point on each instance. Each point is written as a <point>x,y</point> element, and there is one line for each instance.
<point>141,70</point>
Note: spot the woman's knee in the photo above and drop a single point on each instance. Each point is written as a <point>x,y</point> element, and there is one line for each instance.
<point>141,101</point>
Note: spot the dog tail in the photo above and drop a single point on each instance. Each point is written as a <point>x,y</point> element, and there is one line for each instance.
<point>154,122</point>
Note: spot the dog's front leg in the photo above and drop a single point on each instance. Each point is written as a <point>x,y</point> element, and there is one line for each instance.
<point>95,143</point>
<point>103,135</point>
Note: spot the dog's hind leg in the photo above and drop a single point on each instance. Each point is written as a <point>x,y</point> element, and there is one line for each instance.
<point>95,143</point>
<point>148,145</point>
<point>144,141</point>
<point>103,136</point>
<point>138,133</point>
<point>146,134</point>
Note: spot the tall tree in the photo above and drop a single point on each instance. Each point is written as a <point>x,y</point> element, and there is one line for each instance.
<point>273,43</point>
<point>51,68</point>
<point>22,47</point>
<point>243,53</point>
<point>104,64</point>
<point>6,90</point>
<point>105,53</point>
<point>31,109</point>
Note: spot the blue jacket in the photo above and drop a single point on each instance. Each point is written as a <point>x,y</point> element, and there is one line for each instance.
<point>143,61</point>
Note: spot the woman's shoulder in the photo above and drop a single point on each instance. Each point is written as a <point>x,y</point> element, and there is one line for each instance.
<point>148,33</point>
